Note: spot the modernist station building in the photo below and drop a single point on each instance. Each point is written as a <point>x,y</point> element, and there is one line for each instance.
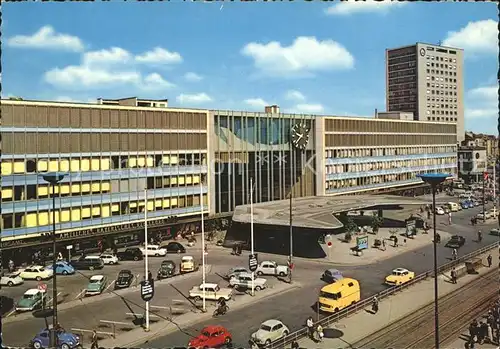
<point>116,154</point>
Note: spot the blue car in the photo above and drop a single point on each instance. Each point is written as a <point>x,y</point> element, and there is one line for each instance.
<point>332,275</point>
<point>66,340</point>
<point>464,204</point>
<point>63,268</point>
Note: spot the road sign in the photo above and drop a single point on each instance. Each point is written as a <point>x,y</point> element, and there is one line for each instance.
<point>253,262</point>
<point>42,287</point>
<point>329,244</point>
<point>69,247</point>
<point>147,290</point>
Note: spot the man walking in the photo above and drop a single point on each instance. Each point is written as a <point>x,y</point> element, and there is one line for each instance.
<point>95,344</point>
<point>454,253</point>
<point>310,327</point>
<point>453,276</point>
<point>489,259</point>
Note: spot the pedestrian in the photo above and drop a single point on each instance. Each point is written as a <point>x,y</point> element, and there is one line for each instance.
<point>454,253</point>
<point>453,276</point>
<point>383,244</point>
<point>94,340</point>
<point>490,334</point>
<point>319,330</point>
<point>395,241</point>
<point>375,305</point>
<point>295,344</point>
<point>449,218</point>
<point>310,327</point>
<point>150,276</point>
<point>490,260</point>
<point>483,332</point>
<point>479,236</point>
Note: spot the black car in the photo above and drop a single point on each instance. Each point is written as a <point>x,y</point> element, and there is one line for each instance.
<point>124,279</point>
<point>175,247</point>
<point>88,263</point>
<point>130,254</point>
<point>167,269</point>
<point>456,241</point>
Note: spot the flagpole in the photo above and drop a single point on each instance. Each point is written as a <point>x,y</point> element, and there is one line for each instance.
<point>146,271</point>
<point>202,245</point>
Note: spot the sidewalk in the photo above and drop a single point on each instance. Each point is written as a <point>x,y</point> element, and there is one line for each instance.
<point>162,328</point>
<point>363,323</point>
<point>340,252</point>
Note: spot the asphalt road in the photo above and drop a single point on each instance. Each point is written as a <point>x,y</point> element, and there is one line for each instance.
<point>297,305</point>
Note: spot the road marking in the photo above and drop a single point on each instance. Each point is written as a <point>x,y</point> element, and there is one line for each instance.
<point>110,284</point>
<point>9,314</point>
<point>79,294</point>
<point>160,307</point>
<point>51,299</point>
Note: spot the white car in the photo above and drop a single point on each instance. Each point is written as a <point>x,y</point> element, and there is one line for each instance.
<point>108,258</point>
<point>154,250</point>
<point>244,280</point>
<point>440,211</point>
<point>270,331</point>
<point>11,279</point>
<point>272,268</point>
<point>36,272</point>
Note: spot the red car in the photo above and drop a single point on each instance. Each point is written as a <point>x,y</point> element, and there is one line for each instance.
<point>211,337</point>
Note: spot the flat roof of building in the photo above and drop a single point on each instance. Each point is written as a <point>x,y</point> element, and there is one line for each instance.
<point>317,211</point>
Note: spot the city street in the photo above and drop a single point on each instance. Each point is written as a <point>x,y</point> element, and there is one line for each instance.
<point>292,308</point>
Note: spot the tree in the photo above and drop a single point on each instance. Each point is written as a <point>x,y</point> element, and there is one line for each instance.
<point>376,222</point>
<point>350,227</point>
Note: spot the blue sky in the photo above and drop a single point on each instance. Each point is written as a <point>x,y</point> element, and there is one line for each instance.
<point>314,57</point>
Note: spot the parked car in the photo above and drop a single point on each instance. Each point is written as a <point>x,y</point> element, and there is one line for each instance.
<point>211,291</point>
<point>62,268</point>
<point>175,247</point>
<point>399,276</point>
<point>440,211</point>
<point>109,258</point>
<point>495,232</point>
<point>67,340</point>
<point>331,275</point>
<point>96,285</point>
<point>167,269</point>
<point>130,254</point>
<point>88,263</point>
<point>31,300</point>
<point>212,337</point>
<point>456,241</point>
<point>272,268</point>
<point>36,272</point>
<point>11,279</point>
<point>484,215</point>
<point>270,331</point>
<point>188,265</point>
<point>244,280</point>
<point>154,250</point>
<point>124,279</point>
<point>235,271</point>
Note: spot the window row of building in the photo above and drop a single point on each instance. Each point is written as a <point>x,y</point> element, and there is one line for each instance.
<point>386,151</point>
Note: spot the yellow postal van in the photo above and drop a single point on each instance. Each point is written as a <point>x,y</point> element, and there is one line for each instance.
<point>339,295</point>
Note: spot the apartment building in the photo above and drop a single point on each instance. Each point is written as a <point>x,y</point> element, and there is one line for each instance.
<point>112,155</point>
<point>426,80</point>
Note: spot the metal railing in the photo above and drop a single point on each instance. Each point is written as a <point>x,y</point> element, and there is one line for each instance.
<point>327,321</point>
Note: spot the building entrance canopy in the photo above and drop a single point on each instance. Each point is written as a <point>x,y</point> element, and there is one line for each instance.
<point>317,212</point>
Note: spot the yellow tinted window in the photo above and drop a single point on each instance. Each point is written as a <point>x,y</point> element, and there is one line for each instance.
<point>64,165</point>
<point>181,180</point>
<point>43,218</point>
<point>151,205</point>
<point>96,211</point>
<point>6,168</point>
<point>75,188</point>
<point>75,215</point>
<point>65,189</point>
<point>75,165</point>
<point>141,162</point>
<point>86,212</point>
<point>105,186</point>
<point>173,202</point>
<point>19,167</point>
<point>174,160</point>
<point>132,162</point>
<point>173,180</point>
<point>115,208</point>
<point>166,160</point>
<point>150,162</point>
<point>196,179</point>
<point>132,204</point>
<point>57,217</point>
<point>85,187</point>
<point>6,193</point>
<point>53,166</point>
<point>85,165</point>
<point>65,216</point>
<point>96,187</point>
<point>189,180</point>
<point>158,203</point>
<point>43,191</point>
<point>95,164</point>
<point>31,220</point>
<point>166,203</point>
<point>105,211</point>
<point>42,166</point>
<point>105,164</point>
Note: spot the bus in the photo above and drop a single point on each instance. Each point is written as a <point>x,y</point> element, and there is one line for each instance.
<point>339,295</point>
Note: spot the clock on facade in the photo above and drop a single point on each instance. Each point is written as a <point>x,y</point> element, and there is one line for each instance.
<point>422,52</point>
<point>300,136</point>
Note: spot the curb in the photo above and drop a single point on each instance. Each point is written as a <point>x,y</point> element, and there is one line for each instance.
<point>164,331</point>
<point>102,297</point>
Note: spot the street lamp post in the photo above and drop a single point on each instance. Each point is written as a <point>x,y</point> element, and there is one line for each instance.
<point>434,179</point>
<point>291,210</point>
<point>53,179</point>
<point>485,175</point>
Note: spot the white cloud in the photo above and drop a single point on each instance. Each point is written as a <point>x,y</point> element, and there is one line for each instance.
<point>102,57</point>
<point>353,7</point>
<point>47,38</point>
<point>193,98</point>
<point>304,56</point>
<point>155,81</point>
<point>73,100</point>
<point>482,102</point>
<point>193,77</point>
<point>475,37</point>
<point>489,93</point>
<point>86,77</point>
<point>308,108</point>
<point>159,56</point>
<point>481,113</point>
<point>293,95</point>
<point>256,102</point>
